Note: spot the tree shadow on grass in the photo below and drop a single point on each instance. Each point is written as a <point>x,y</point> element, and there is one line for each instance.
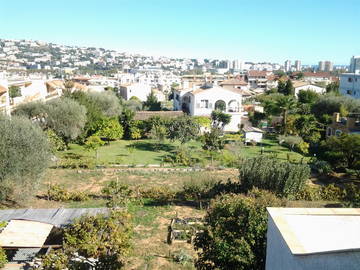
<point>152,147</point>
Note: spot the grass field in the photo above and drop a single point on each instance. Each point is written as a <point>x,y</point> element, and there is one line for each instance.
<point>149,152</point>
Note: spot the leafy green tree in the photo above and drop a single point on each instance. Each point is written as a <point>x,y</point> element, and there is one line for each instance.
<point>235,232</point>
<point>286,104</point>
<point>127,121</point>
<point>289,88</point>
<point>55,142</point>
<point>220,119</point>
<point>281,87</point>
<point>152,103</point>
<point>341,152</point>
<point>3,258</point>
<point>333,87</point>
<point>159,133</point>
<point>307,96</point>
<point>94,143</point>
<point>213,142</point>
<point>307,128</point>
<point>107,103</point>
<point>35,110</point>
<point>110,130</point>
<point>291,141</point>
<point>106,238</point>
<point>24,156</point>
<point>299,76</point>
<point>14,91</point>
<point>66,117</point>
<point>183,129</point>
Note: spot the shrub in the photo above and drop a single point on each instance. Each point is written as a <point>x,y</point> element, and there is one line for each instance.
<point>235,232</point>
<point>61,194</point>
<point>118,194</point>
<point>55,142</point>
<point>200,189</point>
<point>352,195</point>
<point>321,167</point>
<point>309,193</point>
<point>3,258</point>
<point>282,178</point>
<point>161,195</point>
<point>302,148</point>
<point>182,257</point>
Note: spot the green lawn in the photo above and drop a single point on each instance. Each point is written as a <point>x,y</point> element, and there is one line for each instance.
<point>149,152</point>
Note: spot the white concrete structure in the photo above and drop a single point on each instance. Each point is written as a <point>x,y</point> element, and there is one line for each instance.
<point>301,85</point>
<point>355,65</point>
<point>202,101</point>
<point>287,65</point>
<point>139,90</point>
<point>297,65</point>
<point>350,85</point>
<point>253,134</point>
<point>313,239</point>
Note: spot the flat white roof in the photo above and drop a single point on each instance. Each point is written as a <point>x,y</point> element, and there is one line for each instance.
<point>318,230</point>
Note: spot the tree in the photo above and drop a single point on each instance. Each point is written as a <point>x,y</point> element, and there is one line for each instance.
<point>299,76</point>
<point>159,133</point>
<point>289,88</point>
<point>281,87</point>
<point>105,238</point>
<point>127,120</point>
<point>24,156</point>
<point>307,128</point>
<point>152,103</point>
<point>307,96</point>
<point>107,103</point>
<point>14,91</point>
<point>3,258</point>
<point>110,130</point>
<point>55,142</point>
<point>220,119</point>
<point>94,143</point>
<point>291,141</point>
<point>333,87</point>
<point>342,152</point>
<point>235,233</point>
<point>213,142</point>
<point>66,117</point>
<point>183,129</point>
<point>285,104</point>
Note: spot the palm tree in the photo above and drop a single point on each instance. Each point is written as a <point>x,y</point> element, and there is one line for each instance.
<point>286,104</point>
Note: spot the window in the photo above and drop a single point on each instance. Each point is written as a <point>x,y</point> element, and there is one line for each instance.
<point>349,79</point>
<point>329,131</point>
<point>204,103</point>
<point>338,133</point>
<point>348,92</point>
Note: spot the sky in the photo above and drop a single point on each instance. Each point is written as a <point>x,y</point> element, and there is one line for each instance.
<point>248,30</point>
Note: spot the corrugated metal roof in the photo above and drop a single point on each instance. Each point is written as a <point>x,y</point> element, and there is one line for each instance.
<point>56,216</point>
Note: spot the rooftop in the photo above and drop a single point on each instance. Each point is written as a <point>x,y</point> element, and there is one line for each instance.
<point>318,230</point>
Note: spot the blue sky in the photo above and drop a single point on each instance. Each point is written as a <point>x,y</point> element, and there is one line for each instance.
<point>251,30</point>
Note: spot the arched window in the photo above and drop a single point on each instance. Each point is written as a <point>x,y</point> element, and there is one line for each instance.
<point>329,131</point>
<point>233,106</point>
<point>220,105</point>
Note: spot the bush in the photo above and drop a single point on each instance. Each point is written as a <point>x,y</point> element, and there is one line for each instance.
<point>282,178</point>
<point>59,193</point>
<point>235,232</point>
<point>160,195</point>
<point>309,193</point>
<point>321,167</point>
<point>352,195</point>
<point>302,148</point>
<point>181,257</point>
<point>3,258</point>
<point>118,194</point>
<point>199,189</point>
<point>55,142</point>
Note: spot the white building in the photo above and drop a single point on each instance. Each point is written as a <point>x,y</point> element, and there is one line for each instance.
<point>313,239</point>
<point>253,134</point>
<point>301,85</point>
<point>287,65</point>
<point>297,65</point>
<point>139,90</point>
<point>202,101</point>
<point>350,84</point>
<point>355,65</point>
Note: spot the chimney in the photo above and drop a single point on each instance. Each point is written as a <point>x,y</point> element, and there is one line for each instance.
<point>336,117</point>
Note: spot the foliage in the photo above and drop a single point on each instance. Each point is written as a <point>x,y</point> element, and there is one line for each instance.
<point>183,129</point>
<point>66,117</point>
<point>235,235</point>
<point>286,104</point>
<point>59,193</point>
<point>14,91</point>
<point>290,141</point>
<point>118,194</point>
<point>342,151</point>
<point>220,119</point>
<point>203,189</point>
<point>321,167</point>
<point>3,258</point>
<point>307,96</point>
<point>159,133</point>
<point>282,178</point>
<point>289,88</point>
<point>107,103</point>
<point>202,121</point>
<point>127,120</point>
<point>212,141</point>
<point>255,117</point>
<point>303,148</point>
<point>105,238</point>
<point>55,142</point>
<point>159,194</point>
<point>110,129</point>
<point>181,257</point>
<point>33,110</point>
<point>307,127</point>
<point>333,87</point>
<point>152,103</point>
<point>24,155</point>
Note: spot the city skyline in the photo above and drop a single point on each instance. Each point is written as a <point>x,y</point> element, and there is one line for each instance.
<point>257,31</point>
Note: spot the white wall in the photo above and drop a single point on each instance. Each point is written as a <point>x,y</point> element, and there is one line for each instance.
<point>314,88</point>
<point>350,88</point>
<point>279,256</point>
<point>253,136</point>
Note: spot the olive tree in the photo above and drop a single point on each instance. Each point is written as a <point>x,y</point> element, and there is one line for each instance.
<point>24,155</point>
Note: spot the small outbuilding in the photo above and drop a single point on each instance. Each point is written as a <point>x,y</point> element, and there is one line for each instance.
<point>253,134</point>
<point>313,239</point>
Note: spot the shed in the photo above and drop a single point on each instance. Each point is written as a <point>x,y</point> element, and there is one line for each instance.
<point>253,134</point>
<point>313,238</point>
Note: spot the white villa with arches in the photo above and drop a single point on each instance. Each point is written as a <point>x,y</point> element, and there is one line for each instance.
<point>207,98</point>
